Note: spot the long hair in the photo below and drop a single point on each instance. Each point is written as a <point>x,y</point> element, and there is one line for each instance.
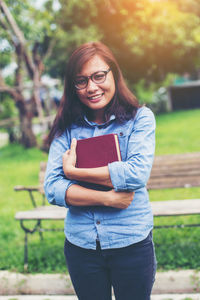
<point>123,105</point>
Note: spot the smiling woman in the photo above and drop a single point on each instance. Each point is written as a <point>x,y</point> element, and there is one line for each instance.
<point>108,231</point>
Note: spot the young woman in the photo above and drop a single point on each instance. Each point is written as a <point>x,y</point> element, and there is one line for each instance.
<point>108,233</point>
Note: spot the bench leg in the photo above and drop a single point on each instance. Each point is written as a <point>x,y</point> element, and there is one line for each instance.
<point>43,199</point>
<point>26,252</point>
<point>27,231</point>
<point>40,230</point>
<point>32,199</point>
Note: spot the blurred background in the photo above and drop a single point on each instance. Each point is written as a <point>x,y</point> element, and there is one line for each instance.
<point>156,42</point>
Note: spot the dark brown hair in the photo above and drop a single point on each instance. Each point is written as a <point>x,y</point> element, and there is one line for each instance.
<point>123,105</point>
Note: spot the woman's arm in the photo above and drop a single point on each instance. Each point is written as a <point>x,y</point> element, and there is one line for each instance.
<point>56,183</point>
<point>134,173</point>
<point>80,196</point>
<point>63,191</point>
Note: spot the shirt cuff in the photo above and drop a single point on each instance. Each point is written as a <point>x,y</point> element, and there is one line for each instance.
<point>60,188</point>
<point>117,176</point>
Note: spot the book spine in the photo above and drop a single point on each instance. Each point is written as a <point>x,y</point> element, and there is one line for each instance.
<point>117,147</point>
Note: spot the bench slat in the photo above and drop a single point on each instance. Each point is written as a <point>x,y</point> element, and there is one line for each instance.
<point>43,213</point>
<point>178,157</point>
<point>173,182</point>
<point>160,208</point>
<point>176,207</point>
<point>175,171</point>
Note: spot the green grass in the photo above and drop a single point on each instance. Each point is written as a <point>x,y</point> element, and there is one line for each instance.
<point>177,132</point>
<point>21,167</point>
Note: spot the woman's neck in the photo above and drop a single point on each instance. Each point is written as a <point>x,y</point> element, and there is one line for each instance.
<point>96,117</point>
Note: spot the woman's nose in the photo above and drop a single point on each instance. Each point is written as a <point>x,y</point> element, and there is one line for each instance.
<point>92,86</point>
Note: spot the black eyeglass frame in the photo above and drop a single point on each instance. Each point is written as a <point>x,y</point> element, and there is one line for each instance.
<point>92,78</point>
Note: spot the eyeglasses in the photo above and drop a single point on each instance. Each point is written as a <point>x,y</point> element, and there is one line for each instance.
<point>81,82</point>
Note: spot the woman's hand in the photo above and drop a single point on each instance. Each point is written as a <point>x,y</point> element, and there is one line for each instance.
<point>69,160</point>
<point>119,199</point>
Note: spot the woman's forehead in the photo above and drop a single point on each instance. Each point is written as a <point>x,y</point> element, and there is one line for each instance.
<point>94,64</point>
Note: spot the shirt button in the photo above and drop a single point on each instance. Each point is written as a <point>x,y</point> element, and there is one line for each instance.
<point>98,222</point>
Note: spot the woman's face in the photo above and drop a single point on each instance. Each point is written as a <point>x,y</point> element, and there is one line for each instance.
<point>96,96</point>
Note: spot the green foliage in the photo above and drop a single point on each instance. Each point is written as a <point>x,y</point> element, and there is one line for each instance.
<point>37,25</point>
<point>149,38</point>
<point>153,94</point>
<point>175,248</point>
<point>5,50</point>
<point>144,92</point>
<point>7,107</point>
<point>34,23</point>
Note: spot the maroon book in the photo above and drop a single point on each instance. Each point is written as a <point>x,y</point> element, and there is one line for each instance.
<point>97,151</point>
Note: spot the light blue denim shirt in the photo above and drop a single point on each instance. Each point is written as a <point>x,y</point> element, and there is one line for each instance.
<point>115,228</point>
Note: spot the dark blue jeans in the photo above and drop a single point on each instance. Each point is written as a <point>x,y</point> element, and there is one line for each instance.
<point>129,270</point>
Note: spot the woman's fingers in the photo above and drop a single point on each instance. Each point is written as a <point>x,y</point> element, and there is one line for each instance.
<point>120,199</point>
<point>73,145</point>
<point>72,150</point>
<point>67,152</point>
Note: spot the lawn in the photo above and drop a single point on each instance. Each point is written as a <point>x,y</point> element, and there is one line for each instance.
<point>177,132</point>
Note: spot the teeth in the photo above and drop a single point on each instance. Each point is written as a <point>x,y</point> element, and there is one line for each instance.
<point>95,97</point>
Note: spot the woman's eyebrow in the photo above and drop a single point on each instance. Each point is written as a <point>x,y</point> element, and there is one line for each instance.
<point>81,75</point>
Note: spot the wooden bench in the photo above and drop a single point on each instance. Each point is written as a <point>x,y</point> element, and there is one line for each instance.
<point>169,171</point>
<point>175,171</point>
<point>38,213</point>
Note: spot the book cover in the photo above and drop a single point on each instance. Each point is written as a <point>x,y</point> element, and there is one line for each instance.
<point>98,151</point>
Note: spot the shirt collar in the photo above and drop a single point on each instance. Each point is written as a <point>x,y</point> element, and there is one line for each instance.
<point>112,117</point>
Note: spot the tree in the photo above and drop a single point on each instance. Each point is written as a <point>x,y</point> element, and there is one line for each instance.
<point>149,38</point>
<point>29,57</point>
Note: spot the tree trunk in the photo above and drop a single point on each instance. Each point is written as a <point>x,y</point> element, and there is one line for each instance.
<point>28,138</point>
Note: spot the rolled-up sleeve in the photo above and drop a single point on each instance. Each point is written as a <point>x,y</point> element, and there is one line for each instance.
<point>134,173</point>
<point>56,183</point>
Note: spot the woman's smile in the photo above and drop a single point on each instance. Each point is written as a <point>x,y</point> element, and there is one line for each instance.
<point>95,98</point>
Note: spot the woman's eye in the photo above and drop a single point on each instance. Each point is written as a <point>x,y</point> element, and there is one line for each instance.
<point>99,76</point>
<point>80,81</point>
